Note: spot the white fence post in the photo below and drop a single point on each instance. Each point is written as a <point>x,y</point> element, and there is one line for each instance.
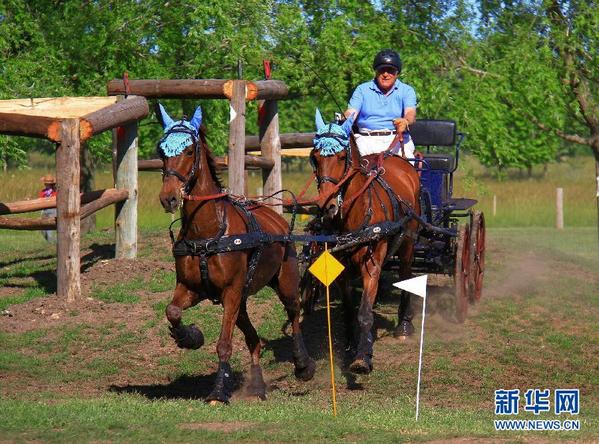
<point>559,207</point>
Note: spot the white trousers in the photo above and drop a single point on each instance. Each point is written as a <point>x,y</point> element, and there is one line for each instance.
<point>377,144</point>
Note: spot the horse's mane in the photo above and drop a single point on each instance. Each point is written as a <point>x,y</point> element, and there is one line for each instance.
<point>210,157</point>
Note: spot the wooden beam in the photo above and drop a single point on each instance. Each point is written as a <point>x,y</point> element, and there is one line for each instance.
<point>125,221</point>
<point>27,206</point>
<point>169,89</point>
<point>110,197</point>
<point>22,223</point>
<point>237,138</point>
<point>288,141</point>
<point>32,126</point>
<point>123,112</point>
<point>68,207</point>
<point>221,163</point>
<point>270,146</point>
<point>107,197</point>
<point>267,90</point>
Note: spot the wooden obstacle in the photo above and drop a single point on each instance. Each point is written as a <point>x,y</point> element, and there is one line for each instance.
<point>238,92</point>
<point>68,121</point>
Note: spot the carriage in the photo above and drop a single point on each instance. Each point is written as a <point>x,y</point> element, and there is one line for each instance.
<point>451,240</point>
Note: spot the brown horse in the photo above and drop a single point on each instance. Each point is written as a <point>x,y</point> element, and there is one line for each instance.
<point>210,216</point>
<point>355,193</point>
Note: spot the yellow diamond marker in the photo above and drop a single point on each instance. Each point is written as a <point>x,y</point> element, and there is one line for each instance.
<point>326,268</point>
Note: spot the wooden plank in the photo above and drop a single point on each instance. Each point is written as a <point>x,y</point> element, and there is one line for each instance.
<point>121,113</point>
<point>237,138</point>
<point>288,141</point>
<point>26,206</point>
<point>56,107</point>
<point>108,197</point>
<point>181,88</point>
<point>125,221</point>
<point>270,146</point>
<point>68,207</point>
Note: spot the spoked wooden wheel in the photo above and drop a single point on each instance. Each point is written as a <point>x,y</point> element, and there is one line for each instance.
<point>477,257</point>
<point>462,263</point>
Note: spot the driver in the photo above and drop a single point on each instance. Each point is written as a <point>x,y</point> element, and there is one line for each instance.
<point>382,107</point>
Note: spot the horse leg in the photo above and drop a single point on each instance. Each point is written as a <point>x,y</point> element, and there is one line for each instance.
<point>349,314</point>
<point>371,273</point>
<point>186,336</point>
<point>405,313</point>
<point>285,284</point>
<point>257,387</point>
<point>223,386</point>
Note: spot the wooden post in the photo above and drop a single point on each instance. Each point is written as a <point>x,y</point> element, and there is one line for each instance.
<point>237,138</point>
<point>125,167</point>
<point>68,207</point>
<point>559,207</point>
<point>270,145</point>
<point>494,205</point>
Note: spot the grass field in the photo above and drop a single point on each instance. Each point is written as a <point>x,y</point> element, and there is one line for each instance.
<point>105,369</point>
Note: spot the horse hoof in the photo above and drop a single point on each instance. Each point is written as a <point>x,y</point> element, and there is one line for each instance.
<point>256,393</point>
<point>404,330</point>
<point>361,366</point>
<point>306,373</point>
<point>188,336</point>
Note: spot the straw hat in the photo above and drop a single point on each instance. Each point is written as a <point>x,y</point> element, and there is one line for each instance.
<point>48,179</point>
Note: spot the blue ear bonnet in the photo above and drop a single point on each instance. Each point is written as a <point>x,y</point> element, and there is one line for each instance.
<point>174,142</point>
<point>331,139</point>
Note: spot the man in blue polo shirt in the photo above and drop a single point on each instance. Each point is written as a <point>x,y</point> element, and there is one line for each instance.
<point>382,106</point>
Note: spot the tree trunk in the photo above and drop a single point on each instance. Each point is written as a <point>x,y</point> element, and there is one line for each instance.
<point>86,185</point>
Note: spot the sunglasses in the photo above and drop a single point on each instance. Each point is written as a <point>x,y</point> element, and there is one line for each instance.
<point>387,69</point>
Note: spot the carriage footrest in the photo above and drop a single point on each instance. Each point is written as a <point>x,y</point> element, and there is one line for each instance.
<point>459,204</point>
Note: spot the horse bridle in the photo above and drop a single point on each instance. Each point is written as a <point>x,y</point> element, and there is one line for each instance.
<point>187,181</point>
<point>348,162</point>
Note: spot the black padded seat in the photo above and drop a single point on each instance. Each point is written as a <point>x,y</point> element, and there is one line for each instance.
<point>439,161</point>
<point>428,132</point>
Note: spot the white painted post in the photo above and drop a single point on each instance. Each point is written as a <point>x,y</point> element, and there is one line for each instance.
<point>494,205</point>
<point>559,207</point>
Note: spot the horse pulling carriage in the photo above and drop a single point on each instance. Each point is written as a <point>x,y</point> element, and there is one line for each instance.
<point>372,208</point>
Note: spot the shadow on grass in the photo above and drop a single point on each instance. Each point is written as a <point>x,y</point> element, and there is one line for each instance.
<point>184,387</point>
<point>98,252</point>
<point>315,332</point>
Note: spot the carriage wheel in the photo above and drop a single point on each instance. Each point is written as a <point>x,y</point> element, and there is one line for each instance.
<point>462,263</point>
<point>477,256</point>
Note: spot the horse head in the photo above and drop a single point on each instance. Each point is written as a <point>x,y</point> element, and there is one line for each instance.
<point>331,159</point>
<point>179,149</point>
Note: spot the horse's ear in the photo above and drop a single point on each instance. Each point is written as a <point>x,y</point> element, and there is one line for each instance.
<point>163,117</point>
<point>319,121</point>
<point>348,124</point>
<point>196,120</point>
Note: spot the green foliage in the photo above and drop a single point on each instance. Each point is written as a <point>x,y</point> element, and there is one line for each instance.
<point>500,69</point>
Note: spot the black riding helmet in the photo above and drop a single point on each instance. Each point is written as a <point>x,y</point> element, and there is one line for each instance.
<point>387,57</point>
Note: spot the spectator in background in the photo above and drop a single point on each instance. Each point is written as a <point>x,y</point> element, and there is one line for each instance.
<point>49,190</point>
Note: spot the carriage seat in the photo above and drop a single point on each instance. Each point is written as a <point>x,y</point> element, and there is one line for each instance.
<point>439,162</point>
